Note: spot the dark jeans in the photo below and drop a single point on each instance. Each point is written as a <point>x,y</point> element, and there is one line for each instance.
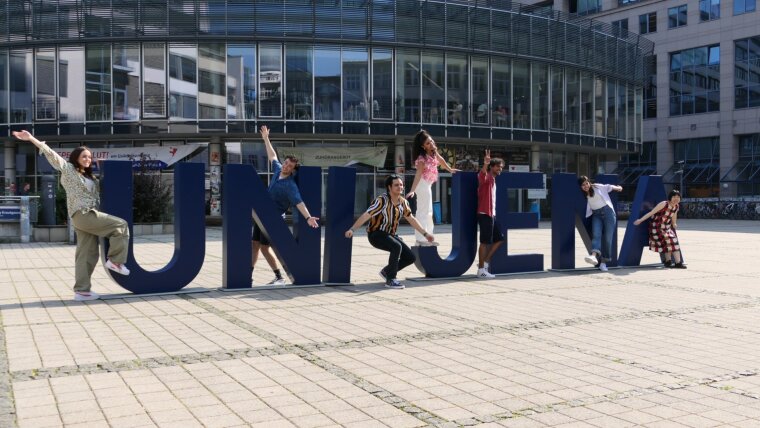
<point>401,255</point>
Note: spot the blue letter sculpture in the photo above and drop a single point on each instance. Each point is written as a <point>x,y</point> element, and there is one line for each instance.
<point>649,192</point>
<point>341,188</point>
<point>464,203</point>
<point>299,252</point>
<point>189,227</point>
<point>502,262</point>
<point>568,213</point>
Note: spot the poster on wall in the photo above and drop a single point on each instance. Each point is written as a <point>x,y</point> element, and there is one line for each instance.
<point>152,157</point>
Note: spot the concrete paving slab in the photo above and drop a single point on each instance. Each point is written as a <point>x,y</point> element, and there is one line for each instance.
<point>630,347</point>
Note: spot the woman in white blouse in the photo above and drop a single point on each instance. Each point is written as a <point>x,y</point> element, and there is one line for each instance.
<point>603,220</point>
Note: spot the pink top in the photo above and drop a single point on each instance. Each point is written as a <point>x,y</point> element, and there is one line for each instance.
<point>430,171</point>
<point>486,194</point>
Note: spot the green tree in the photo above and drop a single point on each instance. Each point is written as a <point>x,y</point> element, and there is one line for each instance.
<point>152,198</point>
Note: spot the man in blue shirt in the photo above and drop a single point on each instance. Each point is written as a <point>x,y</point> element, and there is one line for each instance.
<point>284,192</point>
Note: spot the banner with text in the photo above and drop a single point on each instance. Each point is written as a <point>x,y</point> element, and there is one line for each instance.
<point>337,156</point>
<point>152,157</point>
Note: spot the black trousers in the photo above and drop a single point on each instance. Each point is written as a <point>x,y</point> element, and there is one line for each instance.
<point>401,255</point>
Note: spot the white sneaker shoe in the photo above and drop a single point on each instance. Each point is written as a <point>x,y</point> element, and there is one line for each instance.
<point>117,268</point>
<point>591,259</point>
<point>603,267</point>
<point>83,296</point>
<point>277,281</point>
<point>483,273</point>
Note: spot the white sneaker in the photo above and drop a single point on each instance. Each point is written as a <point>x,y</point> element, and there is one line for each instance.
<point>394,283</point>
<point>117,268</point>
<point>277,281</point>
<point>486,265</point>
<point>83,296</point>
<point>591,259</point>
<point>603,267</point>
<point>483,273</point>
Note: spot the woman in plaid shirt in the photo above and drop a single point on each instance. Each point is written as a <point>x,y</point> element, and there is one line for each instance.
<point>82,202</point>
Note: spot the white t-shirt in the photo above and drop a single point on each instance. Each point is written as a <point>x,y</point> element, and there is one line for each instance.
<point>596,201</point>
<point>601,191</point>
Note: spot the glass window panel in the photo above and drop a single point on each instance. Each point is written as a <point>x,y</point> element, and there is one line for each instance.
<point>573,100</point>
<point>212,81</point>
<point>183,81</point>
<point>521,99</point>
<point>126,82</point>
<point>270,80</point>
<point>45,104</point>
<point>540,96</point>
<point>407,85</point>
<point>457,89</point>
<point>98,82</point>
<point>20,86</point>
<point>639,114</point>
<point>241,81</point>
<point>600,97</point>
<point>631,115</point>
<point>558,98</point>
<point>587,100</point>
<point>299,81</point>
<point>327,83</point>
<point>621,111</point>
<point>502,87</point>
<point>71,83</point>
<point>3,87</point>
<point>480,82</point>
<point>154,80</point>
<point>433,88</point>
<point>382,83</point>
<point>355,84</point>
<point>611,108</point>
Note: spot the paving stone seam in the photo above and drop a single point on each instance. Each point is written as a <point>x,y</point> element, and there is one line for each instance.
<point>7,403</point>
<point>374,390</point>
<point>143,363</point>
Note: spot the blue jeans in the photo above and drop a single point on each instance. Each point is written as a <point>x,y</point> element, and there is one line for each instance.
<point>603,223</point>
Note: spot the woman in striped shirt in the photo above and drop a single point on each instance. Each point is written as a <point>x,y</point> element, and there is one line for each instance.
<point>384,214</point>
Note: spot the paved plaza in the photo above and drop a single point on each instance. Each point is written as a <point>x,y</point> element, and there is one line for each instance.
<point>647,346</point>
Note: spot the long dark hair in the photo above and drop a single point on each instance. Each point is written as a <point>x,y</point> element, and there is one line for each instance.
<point>419,142</point>
<point>74,160</point>
<point>582,179</point>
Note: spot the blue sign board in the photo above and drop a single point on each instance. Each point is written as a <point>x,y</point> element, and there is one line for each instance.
<point>10,213</point>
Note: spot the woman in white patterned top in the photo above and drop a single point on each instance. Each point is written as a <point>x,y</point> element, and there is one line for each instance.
<point>82,202</point>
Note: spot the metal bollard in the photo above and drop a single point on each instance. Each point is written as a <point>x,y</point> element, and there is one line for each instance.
<point>25,227</point>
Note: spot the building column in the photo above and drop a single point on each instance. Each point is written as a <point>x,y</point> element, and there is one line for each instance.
<point>9,185</point>
<point>215,174</point>
<point>534,158</point>
<point>399,155</point>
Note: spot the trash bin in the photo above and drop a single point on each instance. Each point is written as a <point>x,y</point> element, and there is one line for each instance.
<point>535,207</point>
<point>437,212</point>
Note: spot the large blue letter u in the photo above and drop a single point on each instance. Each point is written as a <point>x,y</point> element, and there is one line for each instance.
<point>189,227</point>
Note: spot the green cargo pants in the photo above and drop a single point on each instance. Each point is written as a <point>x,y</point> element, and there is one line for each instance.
<point>91,226</point>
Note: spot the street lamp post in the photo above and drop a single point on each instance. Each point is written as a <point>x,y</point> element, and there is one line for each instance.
<point>680,172</point>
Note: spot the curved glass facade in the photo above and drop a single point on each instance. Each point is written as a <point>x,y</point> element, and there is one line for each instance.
<point>495,70</point>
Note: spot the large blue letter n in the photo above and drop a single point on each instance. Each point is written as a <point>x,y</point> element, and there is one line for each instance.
<point>299,252</point>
